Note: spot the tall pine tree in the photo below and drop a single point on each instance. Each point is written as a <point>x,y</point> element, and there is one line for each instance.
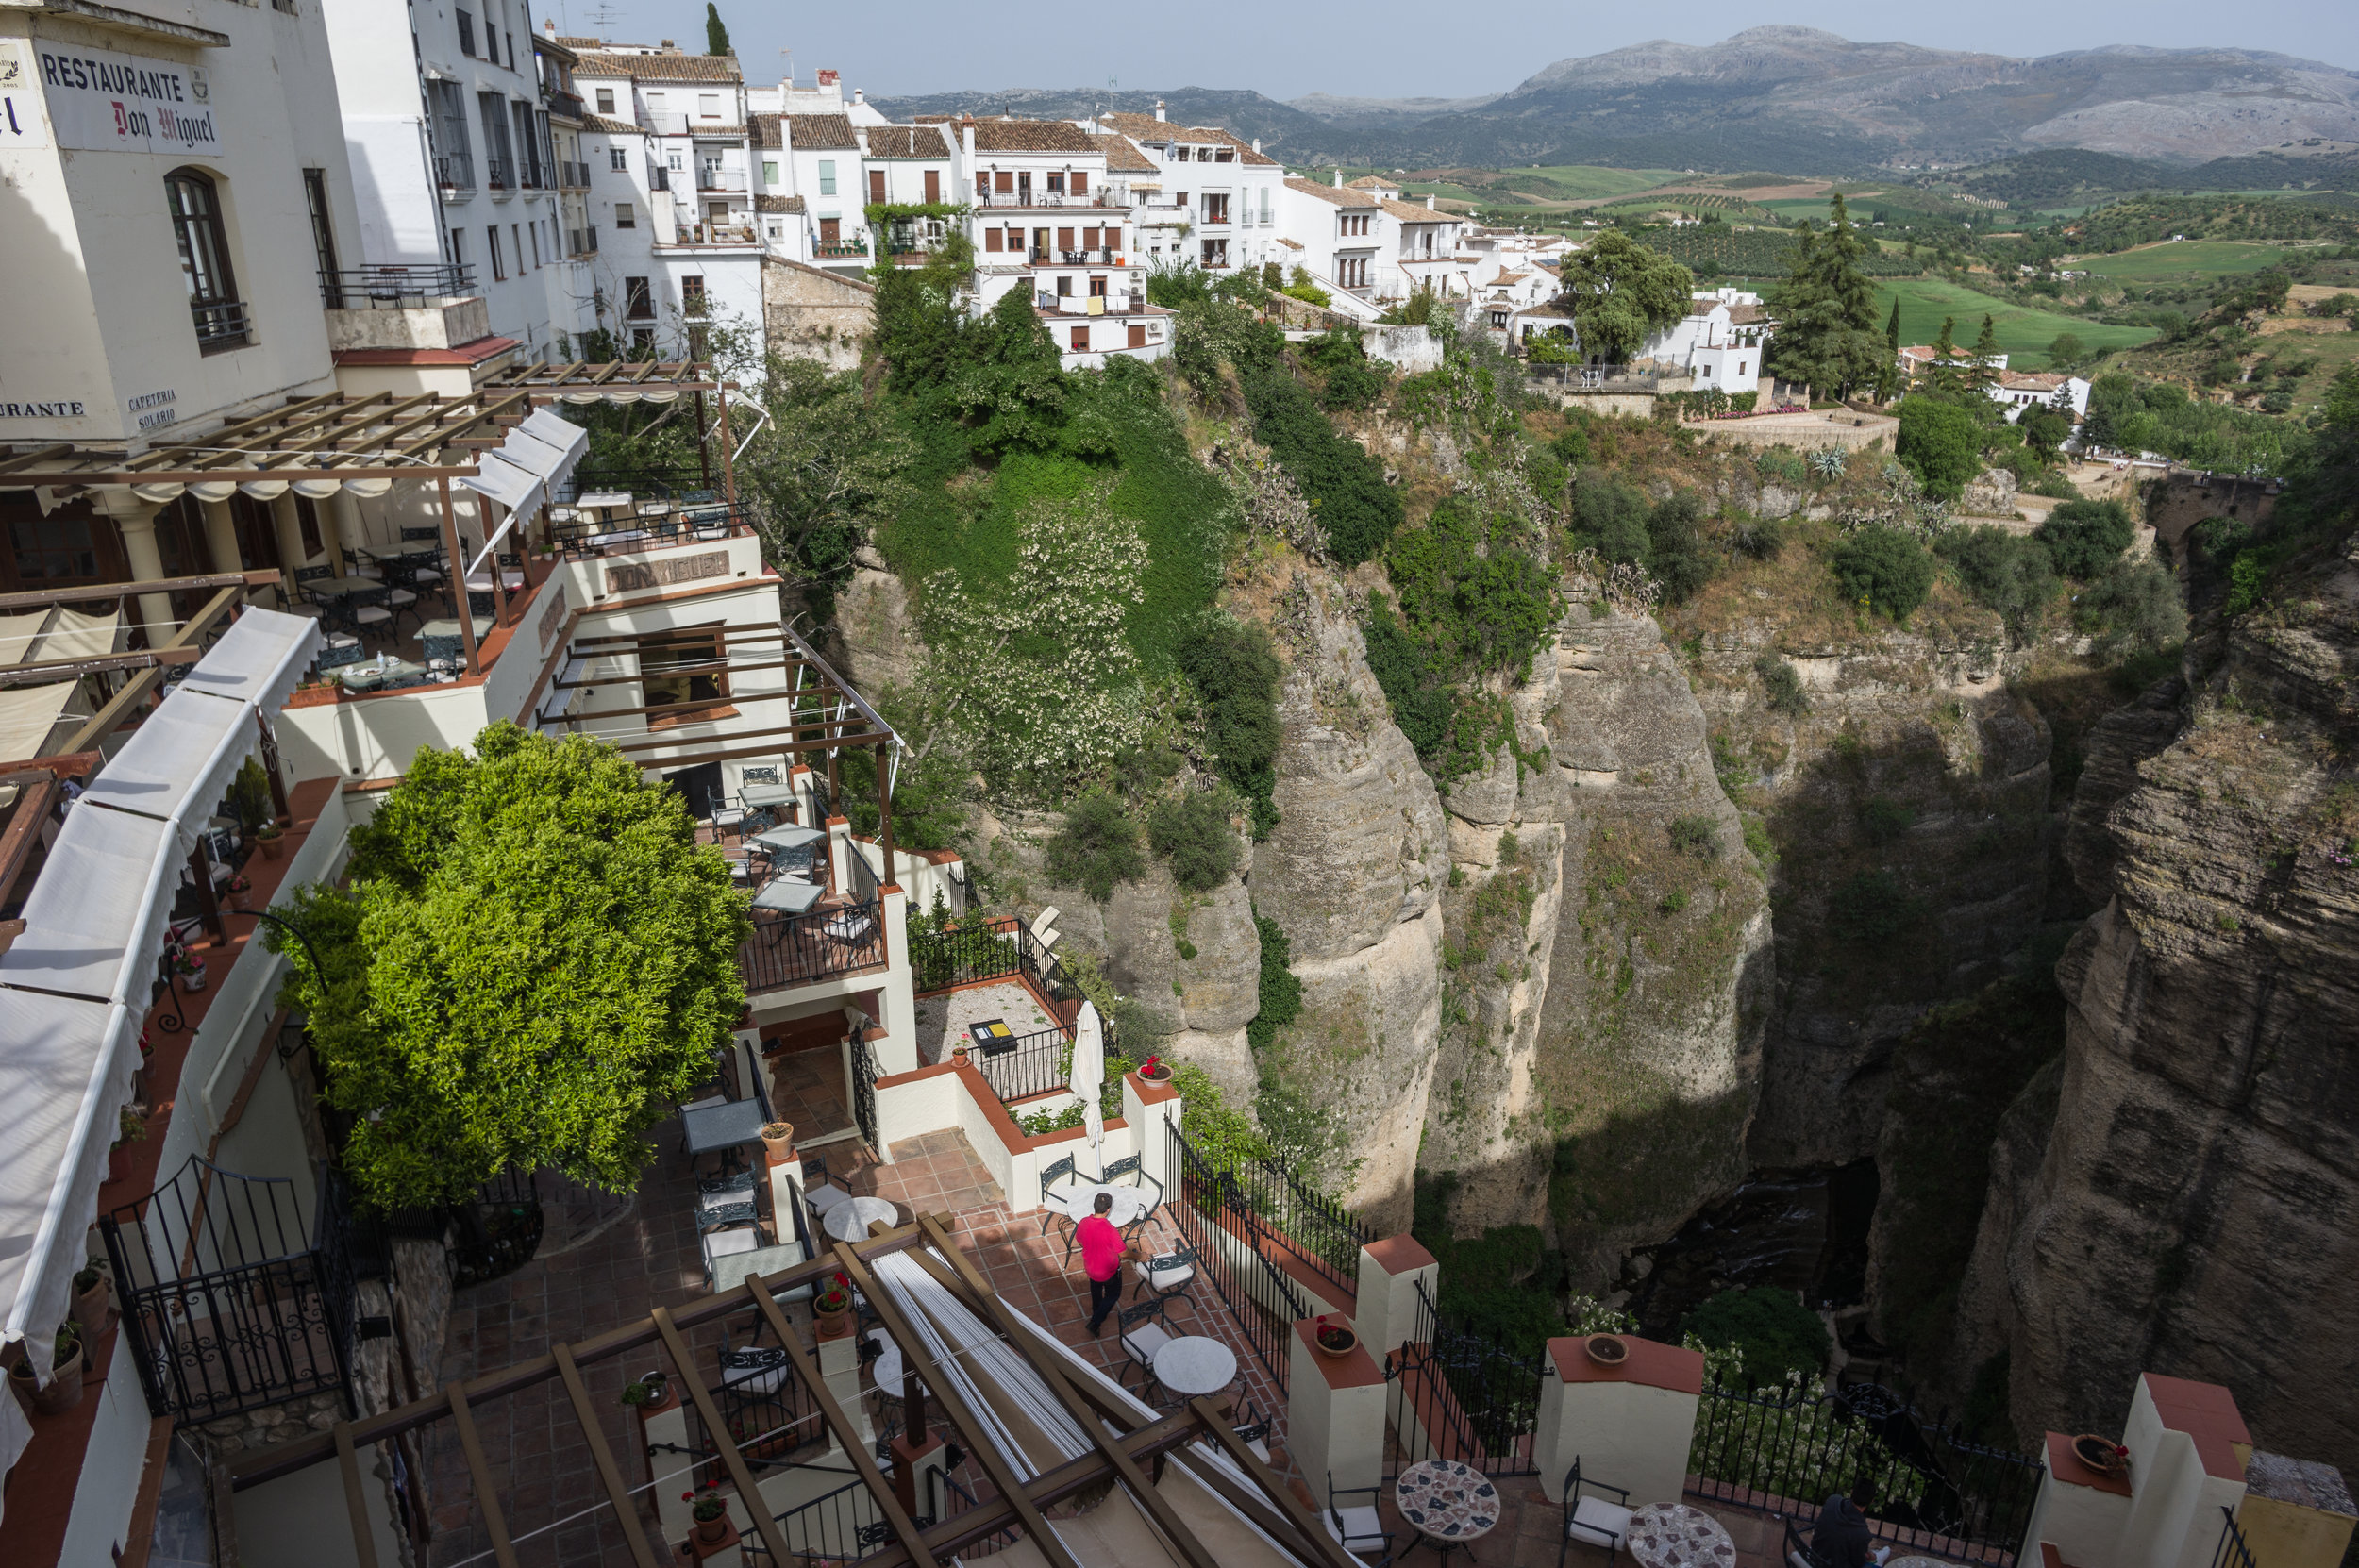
<point>1827,331</point>
<point>1984,369</point>
<point>716,32</point>
<point>1891,328</point>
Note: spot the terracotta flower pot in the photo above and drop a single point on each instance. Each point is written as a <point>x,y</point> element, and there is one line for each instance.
<point>779,1149</point>
<point>714,1531</point>
<point>835,1325</point>
<point>269,846</point>
<point>1606,1349</point>
<point>93,1308</point>
<point>118,1163</point>
<point>1335,1341</point>
<point>66,1385</point>
<point>2102,1455</point>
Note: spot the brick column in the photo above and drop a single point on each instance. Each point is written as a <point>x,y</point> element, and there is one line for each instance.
<point>1335,1415</point>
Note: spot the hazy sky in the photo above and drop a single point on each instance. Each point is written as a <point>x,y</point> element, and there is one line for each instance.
<point>1382,48</point>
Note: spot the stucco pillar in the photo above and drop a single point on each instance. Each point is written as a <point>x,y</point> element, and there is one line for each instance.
<point>136,519</point>
<point>220,536</point>
<point>1629,1425</point>
<point>1335,1415</point>
<point>290,530</point>
<point>342,533</point>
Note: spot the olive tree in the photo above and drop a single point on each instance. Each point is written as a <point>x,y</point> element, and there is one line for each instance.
<point>1622,292</point>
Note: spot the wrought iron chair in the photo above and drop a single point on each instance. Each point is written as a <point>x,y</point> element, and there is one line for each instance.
<point>1593,1520</point>
<point>1145,1330</point>
<point>445,654</point>
<point>1049,1214</point>
<point>429,567</point>
<point>1168,1275</point>
<point>723,816</point>
<point>1134,1167</point>
<point>337,655</point>
<point>759,819</point>
<point>726,1200</point>
<point>1358,1530</point>
<point>1255,1432</point>
<point>301,603</point>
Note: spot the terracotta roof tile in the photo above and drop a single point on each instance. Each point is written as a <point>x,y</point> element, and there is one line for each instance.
<point>1369,182</point>
<point>1418,212</point>
<point>906,142</point>
<point>1030,135</point>
<point>611,128</point>
<point>1123,156</point>
<point>1146,128</point>
<point>765,130</point>
<point>582,43</point>
<point>662,68</point>
<point>1343,196</point>
<point>820,132</point>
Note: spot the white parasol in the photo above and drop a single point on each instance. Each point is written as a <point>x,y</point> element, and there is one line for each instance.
<point>1089,1076</point>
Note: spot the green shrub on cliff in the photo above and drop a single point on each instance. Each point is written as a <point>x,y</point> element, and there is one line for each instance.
<point>1098,846</point>
<point>1195,834</point>
<point>2004,573</point>
<point>1236,677</point>
<point>2085,537</point>
<point>1776,1332</point>
<point>2134,607</point>
<point>1784,685</point>
<point>1355,506</point>
<point>1885,569</point>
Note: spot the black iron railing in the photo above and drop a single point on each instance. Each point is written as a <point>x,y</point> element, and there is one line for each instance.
<point>499,172</point>
<point>220,324</point>
<point>395,286</point>
<point>1453,1393</point>
<point>687,523</point>
<point>2233,1552</point>
<point>835,1527</point>
<point>228,1302</point>
<point>768,1413</point>
<point>582,241</point>
<point>1792,1446</point>
<point>963,954</point>
<point>1233,1250</point>
<point>454,171</point>
<point>1321,1232</point>
<point>1030,1065</point>
<point>792,950</point>
<point>864,1091</point>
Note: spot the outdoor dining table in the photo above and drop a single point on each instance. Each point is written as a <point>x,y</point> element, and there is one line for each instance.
<point>729,1125</point>
<point>775,795</point>
<point>888,1366</point>
<point>1448,1502</point>
<point>1673,1535</point>
<point>372,675</point>
<point>788,895</point>
<point>1079,1203</point>
<point>849,1221</point>
<point>731,1271</point>
<point>604,500</point>
<point>786,837</point>
<point>1193,1364</point>
<point>448,626</point>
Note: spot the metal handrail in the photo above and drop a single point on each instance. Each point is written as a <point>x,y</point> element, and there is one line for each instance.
<point>395,286</point>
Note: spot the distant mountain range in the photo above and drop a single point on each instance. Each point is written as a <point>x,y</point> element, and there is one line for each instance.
<point>1788,100</point>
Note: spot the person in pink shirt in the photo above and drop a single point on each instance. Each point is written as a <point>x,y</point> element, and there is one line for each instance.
<point>1101,1259</point>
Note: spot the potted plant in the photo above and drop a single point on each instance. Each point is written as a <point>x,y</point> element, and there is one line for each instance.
<point>239,886</point>
<point>1154,1069</point>
<point>833,1307</point>
<point>2103,1454</point>
<point>65,1388</point>
<point>130,1127</point>
<point>649,1394</point>
<point>94,1296</point>
<point>777,1138</point>
<point>958,1054</point>
<point>191,969</point>
<point>1606,1349</point>
<point>711,1513</point>
<point>1332,1338</point>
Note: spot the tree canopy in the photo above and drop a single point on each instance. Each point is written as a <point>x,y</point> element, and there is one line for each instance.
<point>1622,292</point>
<point>532,961</point>
<point>1827,334</point>
<point>716,32</point>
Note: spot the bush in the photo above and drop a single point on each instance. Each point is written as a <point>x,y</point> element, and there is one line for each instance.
<point>1472,601</point>
<point>1352,380</point>
<point>1571,446</point>
<point>1697,835</point>
<point>1236,678</point>
<point>1941,443</point>
<point>1884,568</point>
<point>1784,683</point>
<point>1098,846</point>
<point>1610,517</point>
<point>1676,554</point>
<point>1421,708</point>
<point>1884,820</point>
<point>1280,995</point>
<point>1193,833</point>
<point>2134,607</point>
<point>2084,537</point>
<point>1355,506</point>
<point>2008,573</point>
<point>1776,1332</point>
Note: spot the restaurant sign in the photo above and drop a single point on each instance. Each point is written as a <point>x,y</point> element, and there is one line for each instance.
<point>104,102</point>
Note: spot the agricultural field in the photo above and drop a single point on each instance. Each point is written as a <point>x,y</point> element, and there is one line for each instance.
<point>2023,332</point>
<point>2180,262</point>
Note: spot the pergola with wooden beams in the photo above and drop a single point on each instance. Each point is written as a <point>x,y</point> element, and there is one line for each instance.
<point>844,720</point>
<point>1126,1454</point>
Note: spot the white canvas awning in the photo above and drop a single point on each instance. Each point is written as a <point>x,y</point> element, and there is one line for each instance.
<point>571,441</point>
<point>517,489</point>
<point>74,985</point>
<point>28,715</point>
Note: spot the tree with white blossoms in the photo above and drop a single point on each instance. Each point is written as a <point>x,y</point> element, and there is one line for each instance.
<point>1032,678</point>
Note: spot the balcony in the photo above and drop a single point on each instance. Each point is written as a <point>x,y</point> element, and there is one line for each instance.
<point>797,950</point>
<point>1046,199</point>
<point>659,178</point>
<point>858,247</point>
<point>715,234</point>
<point>572,177</point>
<point>220,324</point>
<point>720,179</point>
<point>454,171</point>
<point>581,241</point>
<point>399,286</point>
<point>424,307</point>
<point>1086,258</point>
<point>1078,305</point>
<point>499,172</point>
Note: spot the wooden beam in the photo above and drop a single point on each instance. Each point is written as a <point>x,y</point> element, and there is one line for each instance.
<point>486,1488</point>
<point>723,1441</point>
<point>1324,1545</point>
<point>110,718</point>
<point>67,669</point>
<point>602,1457</point>
<point>1143,1491</point>
<point>790,748</point>
<point>855,1447</point>
<point>355,1503</point>
<point>33,800</point>
<point>44,598</point>
<point>962,1415</point>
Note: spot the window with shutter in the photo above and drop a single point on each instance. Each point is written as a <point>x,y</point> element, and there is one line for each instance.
<point>876,185</point>
<point>1081,182</point>
<point>1065,239</point>
<point>1080,340</point>
<point>1138,334</point>
<point>1003,180</point>
<point>933,185</point>
<point>991,239</point>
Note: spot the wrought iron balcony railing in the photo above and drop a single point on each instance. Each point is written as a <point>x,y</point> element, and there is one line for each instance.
<point>220,324</point>
<point>395,286</point>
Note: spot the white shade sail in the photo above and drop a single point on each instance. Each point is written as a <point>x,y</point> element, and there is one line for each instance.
<point>28,714</point>
<point>76,983</point>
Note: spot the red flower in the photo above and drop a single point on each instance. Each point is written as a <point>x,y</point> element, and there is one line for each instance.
<point>687,1496</point>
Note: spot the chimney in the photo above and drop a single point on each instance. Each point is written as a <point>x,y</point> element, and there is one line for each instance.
<point>966,135</point>
<point>548,26</point>
<point>1339,178</point>
<point>860,95</point>
<point>1159,108</point>
<point>670,47</point>
<point>1433,202</point>
<point>1257,144</point>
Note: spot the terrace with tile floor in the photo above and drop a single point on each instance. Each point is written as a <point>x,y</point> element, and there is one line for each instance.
<point>650,1258</point>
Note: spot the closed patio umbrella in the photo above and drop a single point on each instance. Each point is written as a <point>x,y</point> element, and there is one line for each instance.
<point>1089,1075</point>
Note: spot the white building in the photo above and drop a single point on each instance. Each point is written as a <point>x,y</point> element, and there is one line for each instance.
<point>2020,390</point>
<point>454,162</point>
<point>1209,198</point>
<point>1718,342</point>
<point>1364,241</point>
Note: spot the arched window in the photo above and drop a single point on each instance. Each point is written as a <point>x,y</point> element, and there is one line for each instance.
<point>220,316</point>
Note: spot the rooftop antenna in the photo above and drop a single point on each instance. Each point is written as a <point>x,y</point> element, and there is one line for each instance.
<point>602,15</point>
<point>786,57</point>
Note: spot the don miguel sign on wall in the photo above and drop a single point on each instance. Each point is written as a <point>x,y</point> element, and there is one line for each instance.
<point>104,102</point>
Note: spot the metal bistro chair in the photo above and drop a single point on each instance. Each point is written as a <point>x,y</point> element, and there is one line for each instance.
<point>430,568</point>
<point>445,654</point>
<point>365,609</point>
<point>1169,1274</point>
<point>1146,1329</point>
<point>1358,1530</point>
<point>726,818</point>
<point>1130,1165</point>
<point>337,655</point>
<point>726,1200</point>
<point>1593,1520</point>
<point>759,819</point>
<point>1050,1214</point>
<point>300,602</point>
<point>1255,1432</point>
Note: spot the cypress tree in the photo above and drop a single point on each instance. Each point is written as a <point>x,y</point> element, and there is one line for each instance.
<point>716,32</point>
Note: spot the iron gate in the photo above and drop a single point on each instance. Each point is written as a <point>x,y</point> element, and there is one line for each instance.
<point>229,1303</point>
<point>1233,1249</point>
<point>1454,1393</point>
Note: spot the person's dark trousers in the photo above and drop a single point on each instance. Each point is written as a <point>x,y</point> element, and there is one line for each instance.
<point>1105,1295</point>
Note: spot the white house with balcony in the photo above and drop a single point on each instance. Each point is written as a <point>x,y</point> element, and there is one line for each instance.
<point>1427,253</point>
<point>1718,342</point>
<point>1207,198</point>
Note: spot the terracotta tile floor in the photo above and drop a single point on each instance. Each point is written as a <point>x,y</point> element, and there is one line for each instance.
<point>807,1088</point>
<point>650,1257</point>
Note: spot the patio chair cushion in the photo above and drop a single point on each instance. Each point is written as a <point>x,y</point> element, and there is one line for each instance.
<point>369,615</point>
<point>760,1369</point>
<point>1143,1341</point>
<point>724,1243</point>
<point>1165,1275</point>
<point>1360,1524</point>
<point>400,597</point>
<point>1601,1521</point>
<point>824,1199</point>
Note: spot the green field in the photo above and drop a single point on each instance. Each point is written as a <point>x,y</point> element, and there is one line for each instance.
<point>1584,182</point>
<point>2183,261</point>
<point>2023,332</point>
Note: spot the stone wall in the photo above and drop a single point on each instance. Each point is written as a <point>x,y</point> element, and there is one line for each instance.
<point>810,313</point>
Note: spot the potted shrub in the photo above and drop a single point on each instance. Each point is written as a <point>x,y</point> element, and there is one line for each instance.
<point>64,1389</point>
<point>1332,1338</point>
<point>649,1394</point>
<point>239,886</point>
<point>831,1308</point>
<point>130,1128</point>
<point>958,1054</point>
<point>1154,1069</point>
<point>711,1513</point>
<point>2103,1454</point>
<point>269,838</point>
<point>94,1298</point>
<point>777,1138</point>
<point>191,969</point>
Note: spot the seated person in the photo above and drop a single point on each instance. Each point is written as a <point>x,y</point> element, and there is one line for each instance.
<point>1841,1539</point>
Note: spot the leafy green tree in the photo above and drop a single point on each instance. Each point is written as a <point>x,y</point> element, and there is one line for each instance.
<point>2066,350</point>
<point>2045,429</point>
<point>2085,537</point>
<point>1941,443</point>
<point>1826,333</point>
<point>2134,607</point>
<point>1943,377</point>
<point>1352,380</point>
<point>532,961</point>
<point>1194,832</point>
<point>1776,1332</point>
<point>1236,677</point>
<point>1467,596</point>
<point>1621,293</point>
<point>825,474</point>
<point>1098,846</point>
<point>2010,574</point>
<point>1884,568</point>
<point>1677,555</point>
<point>716,32</point>
<point>1983,372</point>
<point>1355,506</point>
<point>1610,517</point>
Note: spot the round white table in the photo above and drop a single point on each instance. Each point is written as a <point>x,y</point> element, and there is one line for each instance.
<point>1195,1365</point>
<point>1672,1535</point>
<point>1079,1203</point>
<point>1448,1503</point>
<point>849,1221</point>
<point>887,1368</point>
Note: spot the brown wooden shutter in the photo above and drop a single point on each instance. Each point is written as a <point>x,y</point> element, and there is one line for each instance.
<point>1003,180</point>
<point>830,233</point>
<point>1065,239</point>
<point>991,239</point>
<point>1138,334</point>
<point>1080,340</point>
<point>1081,183</point>
<point>933,185</point>
<point>876,185</point>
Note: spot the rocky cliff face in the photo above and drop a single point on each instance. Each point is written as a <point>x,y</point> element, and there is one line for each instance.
<point>2194,1207</point>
